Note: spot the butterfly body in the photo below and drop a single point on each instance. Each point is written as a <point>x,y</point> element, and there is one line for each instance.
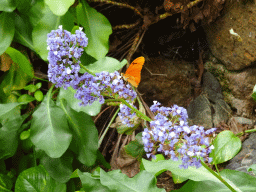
<point>133,73</point>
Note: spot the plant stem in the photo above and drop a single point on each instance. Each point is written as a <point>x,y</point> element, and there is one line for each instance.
<point>218,176</point>
<point>139,114</point>
<point>86,69</point>
<point>106,130</point>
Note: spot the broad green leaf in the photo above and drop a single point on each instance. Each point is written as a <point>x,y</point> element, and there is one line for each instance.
<point>8,111</point>
<point>6,183</point>
<point>97,28</point>
<point>7,30</point>
<point>23,31</point>
<point>117,181</point>
<point>24,6</point>
<point>37,179</point>
<point>85,142</point>
<point>49,129</point>
<point>59,7</point>
<point>68,95</point>
<point>91,183</point>
<point>239,180</point>
<point>106,64</point>
<point>60,169</point>
<point>36,12</point>
<point>48,22</point>
<point>7,6</point>
<point>9,136</point>
<point>226,146</point>
<point>192,173</point>
<point>18,58</point>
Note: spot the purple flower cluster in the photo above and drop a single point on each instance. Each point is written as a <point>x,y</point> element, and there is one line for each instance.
<point>126,115</point>
<point>170,134</point>
<point>91,88</point>
<point>65,50</point>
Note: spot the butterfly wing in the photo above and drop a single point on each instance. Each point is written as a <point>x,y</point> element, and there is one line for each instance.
<point>132,74</point>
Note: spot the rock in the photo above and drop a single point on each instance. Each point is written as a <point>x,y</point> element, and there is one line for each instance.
<point>199,112</point>
<point>166,81</point>
<point>246,157</point>
<point>209,109</point>
<point>221,113</point>
<point>243,120</point>
<point>211,87</point>
<point>233,54</point>
<point>237,87</point>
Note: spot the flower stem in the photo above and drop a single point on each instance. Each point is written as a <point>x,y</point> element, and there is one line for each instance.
<point>218,176</point>
<point>139,114</point>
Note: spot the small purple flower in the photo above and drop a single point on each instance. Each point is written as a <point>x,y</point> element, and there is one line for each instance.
<point>65,51</point>
<point>126,115</point>
<point>171,135</point>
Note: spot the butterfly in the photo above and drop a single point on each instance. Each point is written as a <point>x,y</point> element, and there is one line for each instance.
<point>132,74</point>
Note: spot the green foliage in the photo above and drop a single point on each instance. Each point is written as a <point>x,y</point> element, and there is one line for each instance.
<point>37,179</point>
<point>94,23</point>
<point>136,148</point>
<point>116,181</point>
<point>226,146</point>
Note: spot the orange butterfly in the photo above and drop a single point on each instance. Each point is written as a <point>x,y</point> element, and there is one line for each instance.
<point>132,74</point>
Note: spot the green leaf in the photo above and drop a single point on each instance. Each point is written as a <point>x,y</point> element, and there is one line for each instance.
<point>14,79</point>
<point>49,129</point>
<point>23,31</point>
<point>48,22</point>
<point>60,169</point>
<point>36,12</point>
<point>136,148</point>
<point>5,183</point>
<point>239,180</point>
<point>31,88</point>
<point>7,6</point>
<point>106,64</point>
<point>24,65</point>
<point>8,111</point>
<point>59,7</point>
<point>7,30</point>
<point>25,135</point>
<point>25,98</point>
<point>226,146</point>
<point>68,95</point>
<point>23,6</point>
<point>117,181</point>
<point>39,85</point>
<point>192,173</point>
<point>39,95</point>
<point>91,183</point>
<point>85,142</point>
<point>97,28</point>
<point>9,136</point>
<point>37,179</point>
